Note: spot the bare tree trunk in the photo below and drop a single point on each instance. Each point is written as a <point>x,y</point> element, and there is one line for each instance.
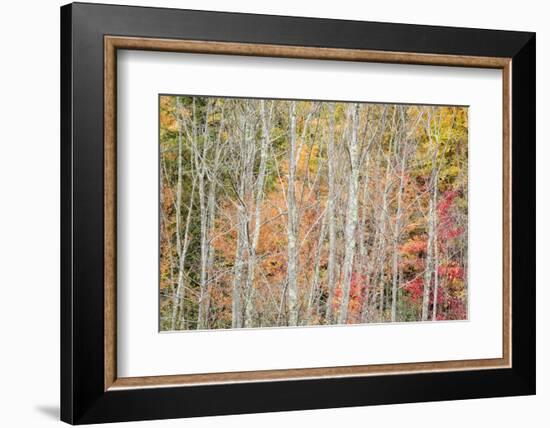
<point>292,226</point>
<point>177,295</point>
<point>259,197</point>
<point>178,313</point>
<point>201,166</point>
<point>206,265</point>
<point>242,224</point>
<point>362,230</point>
<point>316,271</point>
<point>236,318</point>
<point>382,259</point>
<point>377,249</point>
<point>351,215</point>
<point>331,215</point>
<point>397,227</point>
<point>432,213</point>
<point>382,228</point>
<point>368,261</point>
<point>180,178</point>
<point>204,303</point>
<point>436,257</point>
<point>428,267</point>
<point>396,234</point>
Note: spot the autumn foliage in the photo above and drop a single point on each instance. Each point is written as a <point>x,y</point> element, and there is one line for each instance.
<point>276,213</point>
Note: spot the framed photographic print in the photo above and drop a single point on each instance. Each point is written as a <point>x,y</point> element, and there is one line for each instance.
<point>265,213</point>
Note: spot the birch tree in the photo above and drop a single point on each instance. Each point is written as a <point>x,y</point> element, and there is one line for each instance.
<point>331,214</point>
<point>292,226</point>
<point>259,196</point>
<point>182,243</point>
<point>243,158</point>
<point>397,231</point>
<point>431,271</point>
<point>351,215</point>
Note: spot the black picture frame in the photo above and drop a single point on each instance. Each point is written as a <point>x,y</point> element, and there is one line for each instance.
<point>83,398</point>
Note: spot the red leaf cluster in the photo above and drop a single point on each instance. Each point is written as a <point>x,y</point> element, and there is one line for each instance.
<point>415,288</point>
<point>448,228</point>
<point>451,271</point>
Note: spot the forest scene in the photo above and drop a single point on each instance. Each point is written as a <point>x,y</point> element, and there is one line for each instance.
<point>279,213</point>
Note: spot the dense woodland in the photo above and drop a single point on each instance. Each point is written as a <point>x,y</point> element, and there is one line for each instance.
<point>291,213</point>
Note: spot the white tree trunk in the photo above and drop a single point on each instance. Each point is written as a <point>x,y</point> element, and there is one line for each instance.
<point>236,318</point>
<point>331,216</point>
<point>242,222</point>
<point>259,197</point>
<point>178,313</point>
<point>316,271</point>
<point>201,160</point>
<point>211,215</point>
<point>351,215</point>
<point>428,265</point>
<point>432,214</point>
<point>436,258</point>
<point>292,226</point>
<point>397,233</point>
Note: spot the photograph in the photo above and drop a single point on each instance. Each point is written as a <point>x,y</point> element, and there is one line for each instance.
<point>287,213</point>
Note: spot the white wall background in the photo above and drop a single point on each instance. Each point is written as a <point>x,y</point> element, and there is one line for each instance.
<point>29,212</point>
